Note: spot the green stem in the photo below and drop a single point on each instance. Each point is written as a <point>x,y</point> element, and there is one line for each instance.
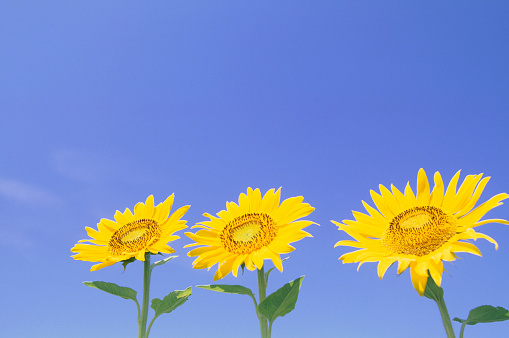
<point>463,328</point>
<point>142,324</point>
<point>445,317</point>
<point>262,293</point>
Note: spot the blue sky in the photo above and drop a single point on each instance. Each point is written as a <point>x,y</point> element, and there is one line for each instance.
<point>106,102</point>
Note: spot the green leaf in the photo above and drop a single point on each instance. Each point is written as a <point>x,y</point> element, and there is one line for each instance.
<point>433,291</point>
<point>485,314</point>
<point>170,302</point>
<point>127,261</point>
<point>282,301</point>
<point>237,289</point>
<point>161,262</point>
<point>114,289</point>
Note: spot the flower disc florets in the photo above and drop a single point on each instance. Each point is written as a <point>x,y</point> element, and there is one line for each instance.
<point>134,236</point>
<point>419,231</point>
<point>248,233</point>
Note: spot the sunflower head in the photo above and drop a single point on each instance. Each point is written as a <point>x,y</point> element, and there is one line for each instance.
<point>420,231</point>
<point>131,235</point>
<point>248,232</point>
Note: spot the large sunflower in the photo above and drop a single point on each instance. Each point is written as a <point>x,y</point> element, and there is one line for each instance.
<point>132,235</point>
<point>420,231</point>
<point>254,230</point>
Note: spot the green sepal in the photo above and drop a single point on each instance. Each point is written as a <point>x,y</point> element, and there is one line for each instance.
<point>237,289</point>
<point>114,289</point>
<point>170,302</point>
<point>127,261</point>
<point>433,291</point>
<point>161,262</point>
<point>485,314</point>
<point>243,266</point>
<point>282,301</point>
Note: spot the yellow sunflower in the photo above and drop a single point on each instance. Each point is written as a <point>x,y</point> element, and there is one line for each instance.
<point>132,235</point>
<point>420,231</point>
<point>255,229</point>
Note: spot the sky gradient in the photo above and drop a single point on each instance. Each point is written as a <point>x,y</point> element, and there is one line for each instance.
<point>106,102</point>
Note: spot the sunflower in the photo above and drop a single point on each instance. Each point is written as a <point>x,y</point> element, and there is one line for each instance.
<point>420,231</point>
<point>132,235</point>
<point>255,229</point>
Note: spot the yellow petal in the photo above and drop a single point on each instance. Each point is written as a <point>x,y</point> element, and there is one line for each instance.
<point>224,268</point>
<point>257,259</point>
<point>403,264</point>
<point>409,194</point>
<point>378,217</point>
<point>465,247</point>
<point>292,209</point>
<point>275,258</point>
<point>101,265</point>
<point>255,200</point>
<point>390,200</point>
<point>464,192</point>
<point>450,193</point>
<point>381,205</point>
<point>470,219</point>
<point>383,265</point>
<point>437,195</point>
<point>244,203</point>
<point>107,225</point>
<point>418,280</point>
<point>269,201</point>
<point>162,211</point>
<point>232,211</point>
<point>140,255</point>
<point>402,200</point>
<point>475,197</point>
<point>423,191</point>
<point>238,261</point>
<point>435,270</point>
<point>476,235</point>
<point>148,208</point>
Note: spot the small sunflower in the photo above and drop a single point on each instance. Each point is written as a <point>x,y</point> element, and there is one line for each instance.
<point>255,229</point>
<point>132,235</point>
<point>420,231</point>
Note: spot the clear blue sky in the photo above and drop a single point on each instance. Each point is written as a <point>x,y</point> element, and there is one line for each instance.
<point>103,103</point>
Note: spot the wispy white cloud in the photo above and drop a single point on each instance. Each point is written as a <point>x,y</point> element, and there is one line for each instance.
<point>22,192</point>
